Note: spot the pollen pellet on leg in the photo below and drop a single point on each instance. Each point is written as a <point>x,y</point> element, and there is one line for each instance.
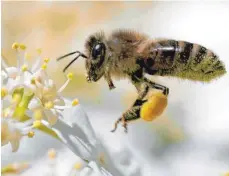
<point>154,107</point>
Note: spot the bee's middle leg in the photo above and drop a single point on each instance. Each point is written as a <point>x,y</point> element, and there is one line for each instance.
<point>154,85</point>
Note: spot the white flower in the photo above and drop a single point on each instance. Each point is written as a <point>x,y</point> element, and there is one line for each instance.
<point>29,95</point>
<point>32,101</point>
<point>12,131</point>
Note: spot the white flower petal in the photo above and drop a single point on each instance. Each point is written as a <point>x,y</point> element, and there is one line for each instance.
<point>4,132</point>
<point>15,145</point>
<point>59,101</point>
<point>41,76</point>
<point>51,116</point>
<point>35,104</point>
<point>12,72</point>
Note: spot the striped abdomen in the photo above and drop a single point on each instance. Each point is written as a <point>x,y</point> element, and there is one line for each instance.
<point>182,59</point>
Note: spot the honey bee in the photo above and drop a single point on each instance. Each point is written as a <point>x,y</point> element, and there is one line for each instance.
<point>131,55</point>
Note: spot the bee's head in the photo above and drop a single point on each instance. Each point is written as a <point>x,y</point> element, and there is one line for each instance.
<point>96,50</point>
<point>95,56</point>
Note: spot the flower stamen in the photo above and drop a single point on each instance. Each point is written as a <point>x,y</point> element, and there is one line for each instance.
<point>15,45</point>
<point>44,66</point>
<point>75,102</point>
<point>24,68</point>
<point>46,60</point>
<point>38,62</point>
<point>70,77</point>
<point>27,56</point>
<point>39,51</point>
<point>33,81</point>
<point>22,46</point>
<point>30,134</point>
<point>77,166</point>
<point>52,154</point>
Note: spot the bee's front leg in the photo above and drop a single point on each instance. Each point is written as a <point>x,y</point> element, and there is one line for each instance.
<point>107,77</point>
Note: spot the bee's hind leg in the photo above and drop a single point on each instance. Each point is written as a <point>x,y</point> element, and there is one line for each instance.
<point>130,115</point>
<point>133,113</point>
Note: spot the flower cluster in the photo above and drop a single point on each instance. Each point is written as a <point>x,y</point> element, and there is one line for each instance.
<point>30,99</point>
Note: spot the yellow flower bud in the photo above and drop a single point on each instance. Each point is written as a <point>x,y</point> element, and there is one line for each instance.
<point>70,76</point>
<point>22,46</point>
<point>15,45</point>
<point>154,107</point>
<point>75,102</point>
<point>4,92</point>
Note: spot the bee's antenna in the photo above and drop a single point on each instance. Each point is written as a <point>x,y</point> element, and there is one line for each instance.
<point>69,54</point>
<point>74,61</point>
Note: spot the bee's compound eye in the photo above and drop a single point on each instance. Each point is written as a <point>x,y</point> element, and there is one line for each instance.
<point>149,62</point>
<point>96,51</point>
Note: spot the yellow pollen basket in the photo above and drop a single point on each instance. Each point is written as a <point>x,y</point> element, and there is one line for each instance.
<point>154,107</point>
